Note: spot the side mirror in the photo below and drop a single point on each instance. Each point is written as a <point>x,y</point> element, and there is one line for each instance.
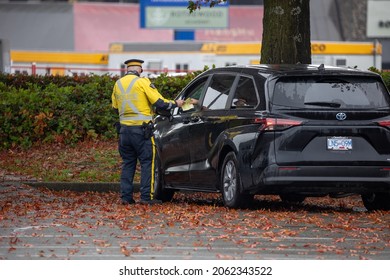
<point>164,113</point>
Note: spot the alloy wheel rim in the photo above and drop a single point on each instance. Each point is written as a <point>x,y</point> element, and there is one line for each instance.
<point>229,181</point>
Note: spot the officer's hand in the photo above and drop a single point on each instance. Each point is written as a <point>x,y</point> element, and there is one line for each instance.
<point>179,102</point>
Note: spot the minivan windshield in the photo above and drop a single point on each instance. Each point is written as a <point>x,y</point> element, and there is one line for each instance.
<point>324,92</point>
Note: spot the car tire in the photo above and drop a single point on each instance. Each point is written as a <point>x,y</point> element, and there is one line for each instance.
<point>160,193</point>
<point>376,201</point>
<point>231,182</point>
<point>292,198</point>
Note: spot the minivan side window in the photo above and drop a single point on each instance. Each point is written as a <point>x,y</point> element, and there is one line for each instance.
<point>194,91</point>
<point>217,92</point>
<point>245,94</point>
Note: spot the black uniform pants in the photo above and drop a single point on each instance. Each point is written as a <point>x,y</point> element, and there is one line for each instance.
<point>133,147</point>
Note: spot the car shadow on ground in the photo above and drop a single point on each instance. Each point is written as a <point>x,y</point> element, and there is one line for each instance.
<point>273,203</point>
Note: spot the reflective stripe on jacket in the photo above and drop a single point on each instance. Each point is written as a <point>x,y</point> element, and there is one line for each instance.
<point>134,97</point>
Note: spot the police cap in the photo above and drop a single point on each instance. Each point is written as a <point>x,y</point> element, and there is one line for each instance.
<point>134,62</point>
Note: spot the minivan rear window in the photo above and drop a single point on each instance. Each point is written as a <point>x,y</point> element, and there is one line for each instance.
<point>330,92</point>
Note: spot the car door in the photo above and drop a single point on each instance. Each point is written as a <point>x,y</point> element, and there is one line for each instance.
<point>205,127</point>
<point>174,138</point>
<point>242,127</point>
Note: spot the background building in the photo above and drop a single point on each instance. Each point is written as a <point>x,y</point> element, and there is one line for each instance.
<point>91,26</point>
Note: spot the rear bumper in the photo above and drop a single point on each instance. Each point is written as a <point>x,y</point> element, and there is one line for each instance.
<point>323,179</point>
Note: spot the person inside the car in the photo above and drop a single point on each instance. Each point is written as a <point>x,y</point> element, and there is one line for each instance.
<point>239,102</point>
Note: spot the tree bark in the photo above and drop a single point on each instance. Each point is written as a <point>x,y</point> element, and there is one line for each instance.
<point>286,32</point>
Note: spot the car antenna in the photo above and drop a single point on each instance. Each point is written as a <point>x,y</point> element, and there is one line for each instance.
<point>321,67</point>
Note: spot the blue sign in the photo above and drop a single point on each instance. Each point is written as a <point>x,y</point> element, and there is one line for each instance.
<point>182,3</point>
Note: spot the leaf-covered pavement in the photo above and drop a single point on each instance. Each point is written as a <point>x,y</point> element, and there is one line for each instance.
<point>38,223</point>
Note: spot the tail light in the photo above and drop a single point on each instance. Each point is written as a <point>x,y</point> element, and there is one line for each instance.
<point>385,123</point>
<point>272,124</point>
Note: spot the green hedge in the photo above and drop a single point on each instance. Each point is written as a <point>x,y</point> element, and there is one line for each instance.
<point>385,76</point>
<point>39,109</point>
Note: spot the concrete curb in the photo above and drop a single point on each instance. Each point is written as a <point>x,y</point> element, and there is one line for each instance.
<point>80,186</point>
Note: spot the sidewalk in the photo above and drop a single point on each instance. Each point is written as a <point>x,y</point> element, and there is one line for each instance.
<point>9,179</point>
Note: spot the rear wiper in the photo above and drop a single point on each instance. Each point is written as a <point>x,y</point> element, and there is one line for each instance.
<point>324,104</point>
<point>332,80</point>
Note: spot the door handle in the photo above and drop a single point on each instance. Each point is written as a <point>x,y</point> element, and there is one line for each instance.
<point>195,119</point>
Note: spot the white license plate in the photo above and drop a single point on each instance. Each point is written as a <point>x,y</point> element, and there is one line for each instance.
<point>339,143</point>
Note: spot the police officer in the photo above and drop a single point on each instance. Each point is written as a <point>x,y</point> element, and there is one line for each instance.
<point>133,98</point>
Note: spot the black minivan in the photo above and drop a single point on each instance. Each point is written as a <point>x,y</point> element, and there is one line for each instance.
<point>289,130</point>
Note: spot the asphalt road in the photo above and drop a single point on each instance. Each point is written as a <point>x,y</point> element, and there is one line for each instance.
<point>39,224</point>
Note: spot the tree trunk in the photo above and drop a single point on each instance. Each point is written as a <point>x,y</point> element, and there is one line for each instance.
<point>286,32</point>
